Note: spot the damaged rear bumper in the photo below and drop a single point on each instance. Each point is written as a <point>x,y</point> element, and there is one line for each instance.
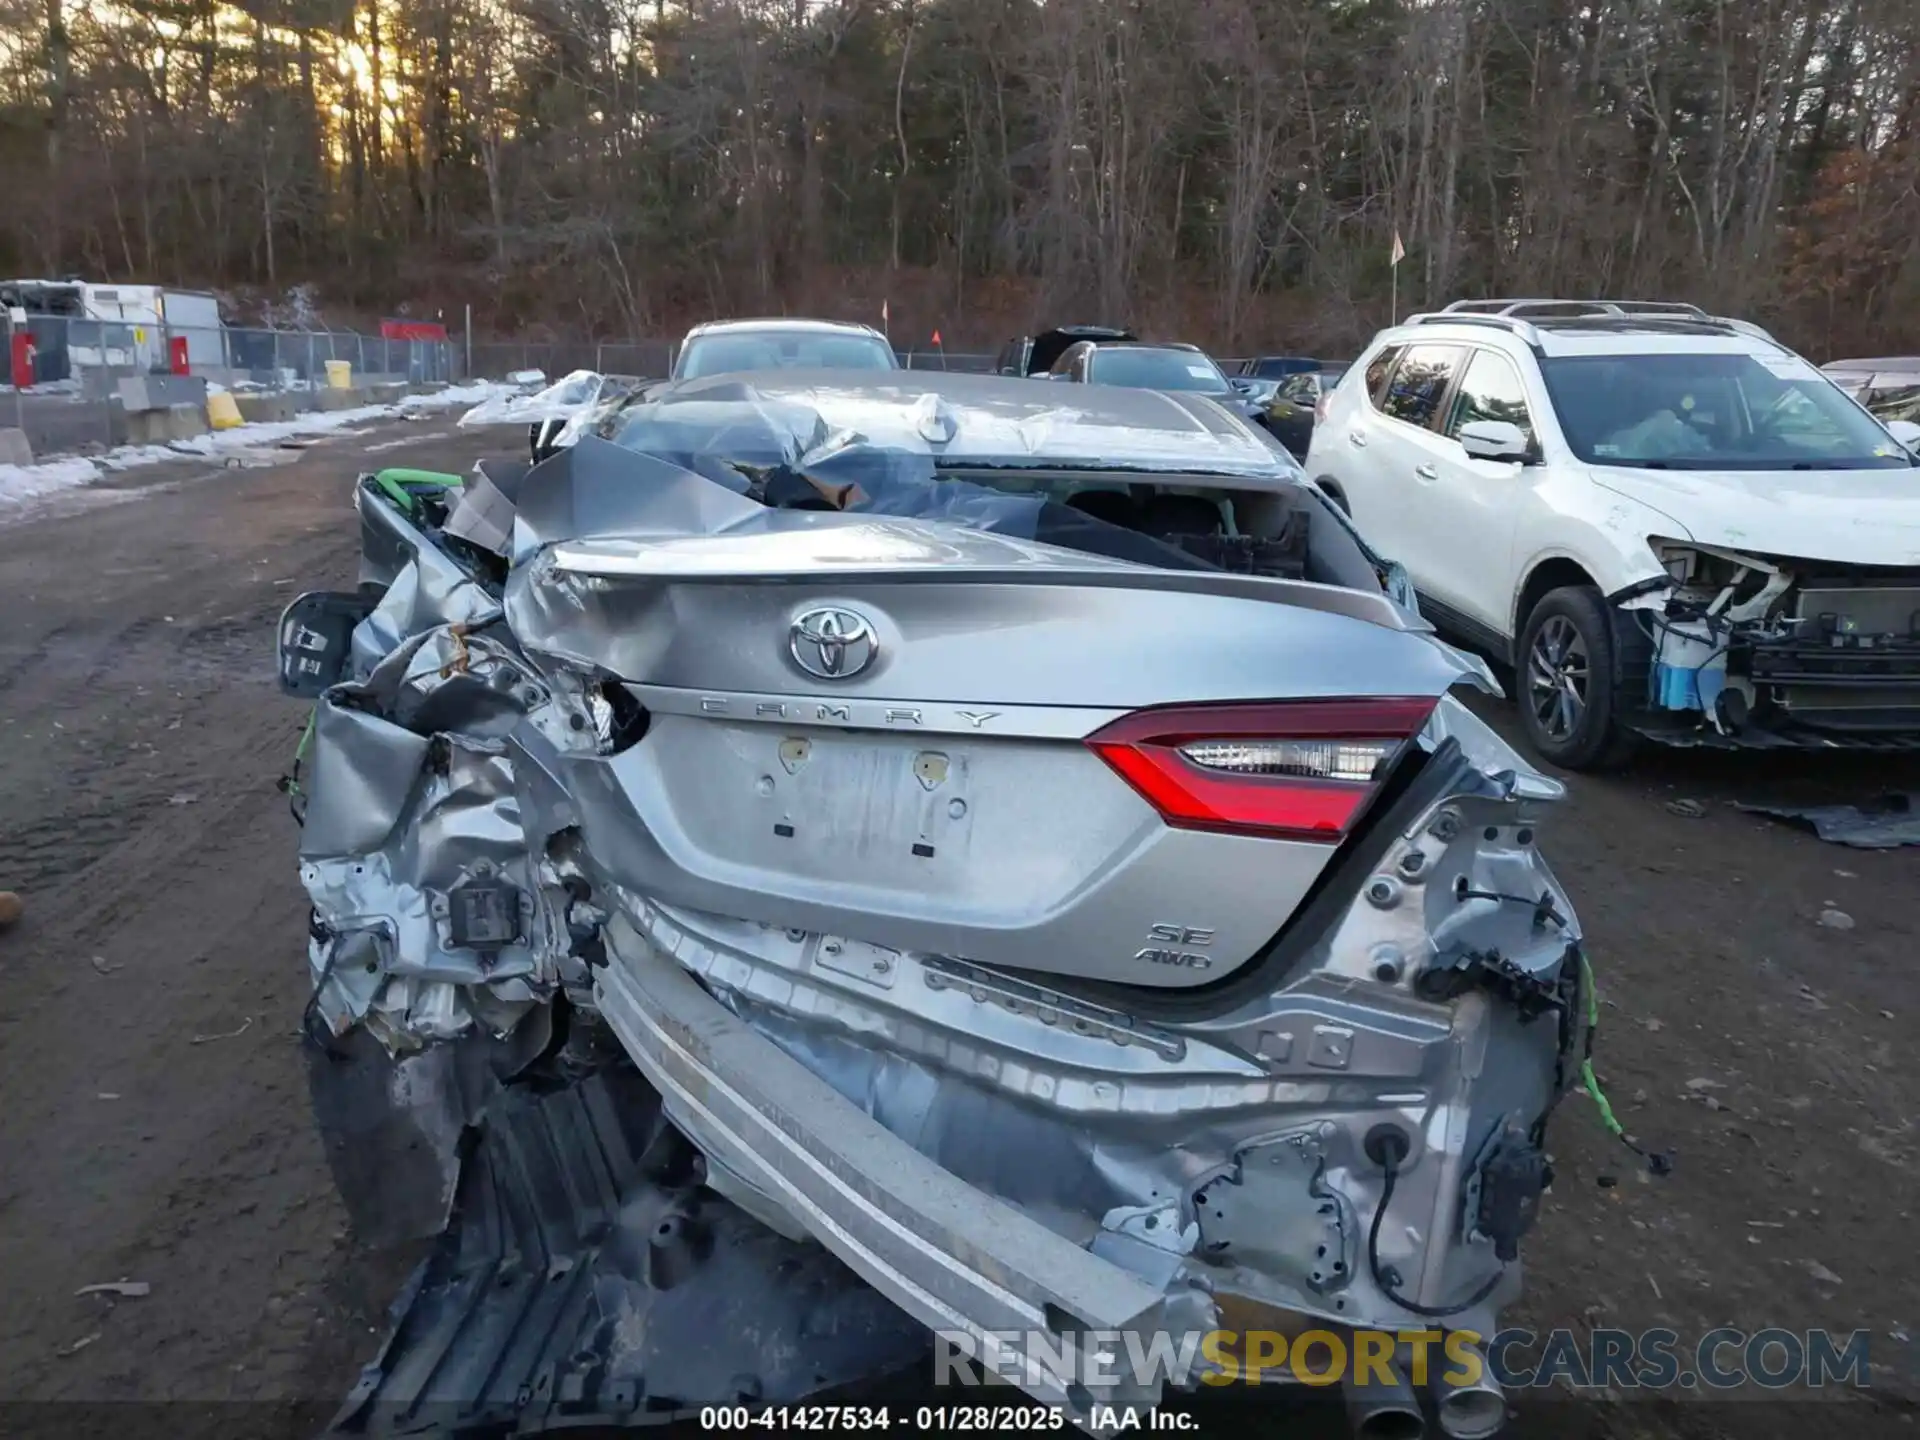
<point>952,1257</point>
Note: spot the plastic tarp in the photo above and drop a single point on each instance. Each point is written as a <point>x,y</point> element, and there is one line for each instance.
<point>579,393</point>
<point>1886,823</point>
<point>784,453</point>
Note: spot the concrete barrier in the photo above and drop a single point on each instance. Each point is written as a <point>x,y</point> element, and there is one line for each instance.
<point>160,392</point>
<point>352,398</point>
<point>14,448</point>
<point>174,422</point>
<point>266,409</point>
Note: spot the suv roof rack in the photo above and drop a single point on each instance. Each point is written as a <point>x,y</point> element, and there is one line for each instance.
<point>1570,309</point>
<point>1526,318</point>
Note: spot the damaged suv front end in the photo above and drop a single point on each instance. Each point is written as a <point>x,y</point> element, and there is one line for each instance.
<point>1765,650</point>
<point>778,901</point>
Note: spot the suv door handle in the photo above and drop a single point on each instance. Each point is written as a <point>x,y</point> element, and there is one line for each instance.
<point>1357,438</point>
<point>1426,472</point>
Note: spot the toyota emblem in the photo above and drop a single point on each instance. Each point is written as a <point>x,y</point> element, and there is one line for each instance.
<point>832,644</point>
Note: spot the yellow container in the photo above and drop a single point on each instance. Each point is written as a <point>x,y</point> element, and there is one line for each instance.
<point>222,413</point>
<point>340,374</point>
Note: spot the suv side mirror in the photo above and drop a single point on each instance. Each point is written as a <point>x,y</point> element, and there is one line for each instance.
<point>1496,440</point>
<point>1907,433</point>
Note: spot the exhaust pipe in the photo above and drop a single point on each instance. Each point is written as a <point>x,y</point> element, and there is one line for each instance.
<point>1384,1412</point>
<point>1469,1412</point>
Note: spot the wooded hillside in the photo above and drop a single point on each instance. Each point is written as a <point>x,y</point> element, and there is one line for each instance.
<point>1235,169</point>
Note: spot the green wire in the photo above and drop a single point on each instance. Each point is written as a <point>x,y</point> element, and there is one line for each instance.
<point>300,754</point>
<point>1658,1162</point>
<point>1587,1077</point>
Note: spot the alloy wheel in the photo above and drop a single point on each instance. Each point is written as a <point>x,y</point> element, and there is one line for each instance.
<point>1558,675</point>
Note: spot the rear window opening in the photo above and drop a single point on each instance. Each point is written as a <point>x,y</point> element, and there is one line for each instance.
<point>1283,534</point>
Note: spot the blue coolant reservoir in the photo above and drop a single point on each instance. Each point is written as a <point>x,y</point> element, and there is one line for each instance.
<point>1690,670</point>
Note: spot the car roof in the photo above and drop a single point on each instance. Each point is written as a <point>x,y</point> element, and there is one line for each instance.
<point>1086,332</point>
<point>995,421</point>
<point>1905,364</point>
<point>785,323</point>
<point>1182,346</point>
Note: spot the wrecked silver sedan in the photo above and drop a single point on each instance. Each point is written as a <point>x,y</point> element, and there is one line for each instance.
<point>829,869</point>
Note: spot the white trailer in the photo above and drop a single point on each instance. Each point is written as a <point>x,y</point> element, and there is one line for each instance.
<point>156,313</point>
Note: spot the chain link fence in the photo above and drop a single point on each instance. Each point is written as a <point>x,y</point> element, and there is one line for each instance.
<point>645,359</point>
<point>60,377</point>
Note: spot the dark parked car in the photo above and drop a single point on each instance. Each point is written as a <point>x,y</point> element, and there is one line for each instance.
<point>1295,406</point>
<point>1143,366</point>
<point>1278,367</point>
<point>1036,354</point>
<point>1174,367</point>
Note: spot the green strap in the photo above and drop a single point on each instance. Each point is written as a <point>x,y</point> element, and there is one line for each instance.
<point>401,483</point>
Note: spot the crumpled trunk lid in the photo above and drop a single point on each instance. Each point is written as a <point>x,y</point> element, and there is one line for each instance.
<point>921,777</point>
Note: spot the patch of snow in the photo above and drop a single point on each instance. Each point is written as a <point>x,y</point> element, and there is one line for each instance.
<point>20,483</point>
<point>29,482</point>
<point>67,389</point>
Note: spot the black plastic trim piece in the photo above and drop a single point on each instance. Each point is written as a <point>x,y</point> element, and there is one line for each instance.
<point>586,1280</point>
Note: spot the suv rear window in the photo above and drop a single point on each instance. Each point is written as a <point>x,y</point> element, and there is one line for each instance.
<point>1420,382</point>
<point>1378,369</point>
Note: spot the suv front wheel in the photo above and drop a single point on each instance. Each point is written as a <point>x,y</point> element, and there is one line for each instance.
<point>1569,701</point>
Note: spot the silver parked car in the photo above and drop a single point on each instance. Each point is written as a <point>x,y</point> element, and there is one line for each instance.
<point>828,858</point>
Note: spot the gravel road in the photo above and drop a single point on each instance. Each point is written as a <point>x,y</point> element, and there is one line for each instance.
<point>153,1113</point>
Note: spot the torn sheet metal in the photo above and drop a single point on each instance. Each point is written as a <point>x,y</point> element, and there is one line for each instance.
<point>1885,823</point>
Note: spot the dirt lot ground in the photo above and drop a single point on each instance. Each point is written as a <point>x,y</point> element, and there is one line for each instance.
<point>153,1116</point>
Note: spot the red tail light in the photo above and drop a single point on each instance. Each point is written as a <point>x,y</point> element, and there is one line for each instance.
<point>1299,768</point>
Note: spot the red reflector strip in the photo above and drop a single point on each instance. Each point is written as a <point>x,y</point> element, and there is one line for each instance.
<point>1144,750</point>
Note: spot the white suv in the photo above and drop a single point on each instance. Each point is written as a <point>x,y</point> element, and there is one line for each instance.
<point>1668,523</point>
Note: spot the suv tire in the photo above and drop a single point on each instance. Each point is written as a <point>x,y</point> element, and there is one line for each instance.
<point>1566,681</point>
